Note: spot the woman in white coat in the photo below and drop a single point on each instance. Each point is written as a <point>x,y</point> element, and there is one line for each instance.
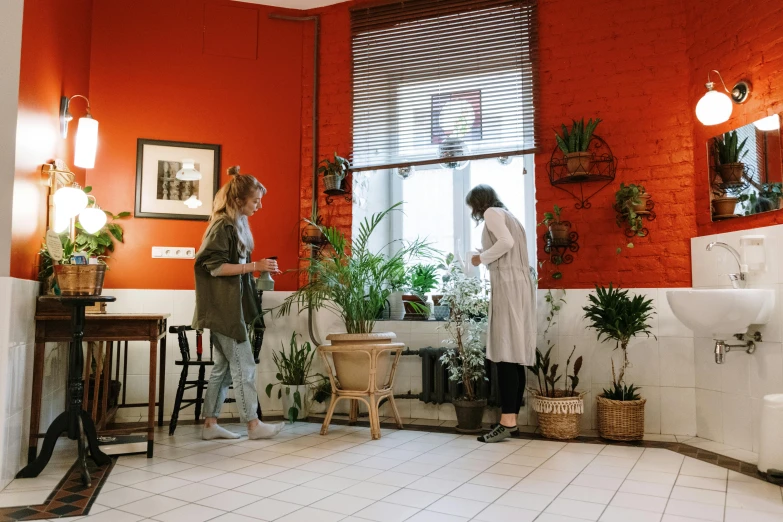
<point>511,337</point>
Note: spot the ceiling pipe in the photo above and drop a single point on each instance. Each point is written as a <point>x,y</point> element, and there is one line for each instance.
<point>316,47</point>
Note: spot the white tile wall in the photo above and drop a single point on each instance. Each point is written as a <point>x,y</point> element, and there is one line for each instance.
<point>728,396</point>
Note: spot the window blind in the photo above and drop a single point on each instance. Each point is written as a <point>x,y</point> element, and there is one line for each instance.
<point>443,79</point>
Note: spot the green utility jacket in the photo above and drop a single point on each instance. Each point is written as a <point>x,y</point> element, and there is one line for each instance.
<point>225,304</point>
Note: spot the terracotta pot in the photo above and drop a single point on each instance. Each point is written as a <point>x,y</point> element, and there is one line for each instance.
<point>412,312</point>
<point>724,206</point>
<point>469,415</point>
<point>731,172</point>
<point>353,369</point>
<point>559,232</point>
<point>579,163</point>
<point>641,207</point>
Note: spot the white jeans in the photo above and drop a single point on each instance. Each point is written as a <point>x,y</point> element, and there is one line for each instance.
<point>233,364</point>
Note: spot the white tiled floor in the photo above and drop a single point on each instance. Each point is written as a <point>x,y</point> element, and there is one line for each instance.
<point>34,491</point>
<point>417,476</point>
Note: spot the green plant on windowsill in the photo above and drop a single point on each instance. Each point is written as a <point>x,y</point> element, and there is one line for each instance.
<point>423,280</point>
<point>630,200</point>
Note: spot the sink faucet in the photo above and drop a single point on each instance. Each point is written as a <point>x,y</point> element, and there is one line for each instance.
<point>737,279</point>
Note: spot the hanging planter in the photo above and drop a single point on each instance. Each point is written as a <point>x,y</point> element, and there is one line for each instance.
<point>574,144</point>
<point>334,172</point>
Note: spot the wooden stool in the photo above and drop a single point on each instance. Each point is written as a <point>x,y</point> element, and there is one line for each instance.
<point>373,394</point>
<point>200,383</point>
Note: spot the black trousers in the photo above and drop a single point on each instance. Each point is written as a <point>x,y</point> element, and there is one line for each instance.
<point>511,379</point>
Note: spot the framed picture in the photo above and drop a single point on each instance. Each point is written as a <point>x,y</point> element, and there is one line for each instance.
<point>159,194</point>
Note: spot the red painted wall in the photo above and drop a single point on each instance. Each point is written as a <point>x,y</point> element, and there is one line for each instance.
<point>630,69</point>
<point>55,62</point>
<point>742,40</point>
<point>150,79</point>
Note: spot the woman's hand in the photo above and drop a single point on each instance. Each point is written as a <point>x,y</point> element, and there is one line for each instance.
<point>266,265</point>
<point>475,260</point>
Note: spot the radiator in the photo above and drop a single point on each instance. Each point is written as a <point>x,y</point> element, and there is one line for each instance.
<point>438,389</point>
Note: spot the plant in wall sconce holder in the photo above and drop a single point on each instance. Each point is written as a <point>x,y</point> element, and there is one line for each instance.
<point>729,152</point>
<point>726,197</point>
<point>575,143</point>
<point>633,205</point>
<point>334,173</point>
<point>559,239</point>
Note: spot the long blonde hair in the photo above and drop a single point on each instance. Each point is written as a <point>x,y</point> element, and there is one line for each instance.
<point>240,187</point>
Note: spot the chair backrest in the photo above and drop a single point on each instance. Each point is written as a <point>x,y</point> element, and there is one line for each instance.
<point>184,345</point>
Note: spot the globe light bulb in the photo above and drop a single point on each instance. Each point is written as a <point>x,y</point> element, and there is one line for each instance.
<point>714,107</point>
<point>69,201</point>
<point>92,219</point>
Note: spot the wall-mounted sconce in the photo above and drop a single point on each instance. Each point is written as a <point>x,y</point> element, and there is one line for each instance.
<point>188,171</point>
<point>193,202</point>
<point>86,133</point>
<point>715,107</point>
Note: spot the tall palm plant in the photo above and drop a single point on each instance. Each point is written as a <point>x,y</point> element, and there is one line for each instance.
<point>351,280</point>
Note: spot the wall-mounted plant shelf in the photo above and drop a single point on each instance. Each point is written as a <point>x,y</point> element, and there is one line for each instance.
<point>648,214</point>
<point>336,193</point>
<point>559,250</point>
<point>582,186</point>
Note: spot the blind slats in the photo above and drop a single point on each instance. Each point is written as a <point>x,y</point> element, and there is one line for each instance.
<point>438,76</point>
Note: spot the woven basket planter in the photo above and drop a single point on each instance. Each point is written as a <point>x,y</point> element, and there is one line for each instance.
<point>621,420</point>
<point>558,417</point>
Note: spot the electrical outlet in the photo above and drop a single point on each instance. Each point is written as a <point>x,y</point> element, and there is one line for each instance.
<point>162,252</point>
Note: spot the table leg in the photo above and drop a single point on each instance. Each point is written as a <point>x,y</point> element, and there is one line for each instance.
<point>35,414</point>
<point>151,406</point>
<point>162,379</point>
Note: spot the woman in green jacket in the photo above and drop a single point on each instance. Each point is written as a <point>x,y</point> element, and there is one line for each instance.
<point>226,304</point>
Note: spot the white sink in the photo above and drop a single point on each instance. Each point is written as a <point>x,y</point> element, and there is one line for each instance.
<point>721,312</point>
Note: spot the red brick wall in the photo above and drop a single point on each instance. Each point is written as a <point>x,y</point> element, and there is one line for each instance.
<point>742,40</point>
<point>624,62</point>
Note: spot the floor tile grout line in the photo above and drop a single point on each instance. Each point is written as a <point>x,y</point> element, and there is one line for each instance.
<point>676,478</point>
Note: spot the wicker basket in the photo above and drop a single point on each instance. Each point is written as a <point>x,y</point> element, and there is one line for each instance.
<point>620,420</point>
<point>558,417</point>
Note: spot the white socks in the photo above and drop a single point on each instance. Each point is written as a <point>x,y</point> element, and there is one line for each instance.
<point>264,431</point>
<point>217,432</point>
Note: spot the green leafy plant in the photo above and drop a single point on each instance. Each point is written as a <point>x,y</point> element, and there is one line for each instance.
<point>555,304</point>
<point>337,167</point>
<point>548,377</point>
<point>618,317</point>
<point>728,148</point>
<point>468,301</point>
<point>626,197</point>
<point>578,138</point>
<point>323,390</point>
<point>626,392</point>
<point>350,279</point>
<point>423,280</point>
<point>551,217</point>
<point>293,369</point>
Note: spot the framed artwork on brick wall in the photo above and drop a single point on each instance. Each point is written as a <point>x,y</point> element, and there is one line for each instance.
<point>160,194</point>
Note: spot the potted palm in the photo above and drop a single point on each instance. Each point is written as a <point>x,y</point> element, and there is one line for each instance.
<point>574,144</point>
<point>559,409</point>
<point>354,282</point>
<point>468,302</point>
<point>422,281</point>
<point>618,317</point>
<point>558,230</point>
<point>729,152</point>
<point>294,379</point>
<point>334,172</point>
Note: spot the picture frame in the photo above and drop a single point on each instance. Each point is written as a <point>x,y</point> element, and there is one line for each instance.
<point>159,194</point>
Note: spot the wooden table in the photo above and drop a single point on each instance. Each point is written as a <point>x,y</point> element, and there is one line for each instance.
<point>56,327</point>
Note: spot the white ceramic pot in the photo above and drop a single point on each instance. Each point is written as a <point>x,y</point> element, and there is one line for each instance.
<point>396,307</point>
<point>289,401</point>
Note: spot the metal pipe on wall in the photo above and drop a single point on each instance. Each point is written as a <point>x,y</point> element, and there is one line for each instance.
<point>316,46</point>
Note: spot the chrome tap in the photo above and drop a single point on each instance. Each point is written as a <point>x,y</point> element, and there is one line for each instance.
<point>737,279</point>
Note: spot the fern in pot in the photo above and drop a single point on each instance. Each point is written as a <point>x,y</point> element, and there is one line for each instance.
<point>468,302</point>
<point>355,282</point>
<point>574,144</point>
<point>729,152</point>
<point>619,318</point>
<point>559,409</point>
<point>423,280</point>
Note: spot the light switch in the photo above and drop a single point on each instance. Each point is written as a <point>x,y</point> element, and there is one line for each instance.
<point>166,252</point>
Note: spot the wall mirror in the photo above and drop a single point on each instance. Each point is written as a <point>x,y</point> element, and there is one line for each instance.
<point>746,169</point>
